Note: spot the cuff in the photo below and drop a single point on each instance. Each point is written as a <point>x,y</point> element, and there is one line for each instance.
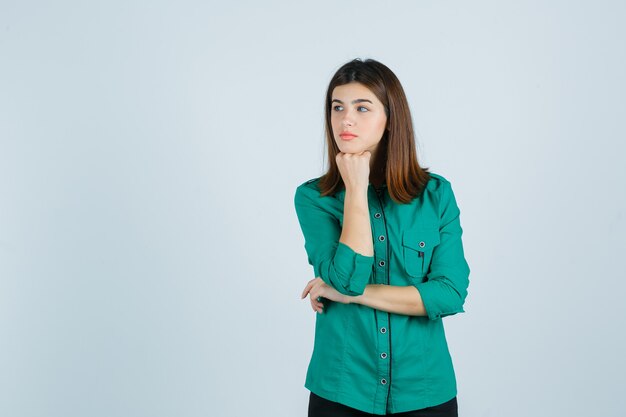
<point>357,268</point>
<point>433,296</point>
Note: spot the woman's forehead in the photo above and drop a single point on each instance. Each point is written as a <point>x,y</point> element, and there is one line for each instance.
<point>353,91</point>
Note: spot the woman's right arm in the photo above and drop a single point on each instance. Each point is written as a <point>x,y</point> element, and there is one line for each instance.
<point>357,229</point>
<point>336,263</point>
<point>342,256</point>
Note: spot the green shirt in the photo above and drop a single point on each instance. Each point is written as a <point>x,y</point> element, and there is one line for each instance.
<point>372,360</point>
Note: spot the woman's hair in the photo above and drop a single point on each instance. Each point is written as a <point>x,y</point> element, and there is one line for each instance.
<point>396,154</point>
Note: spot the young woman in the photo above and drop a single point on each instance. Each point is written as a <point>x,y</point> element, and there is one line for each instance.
<point>384,238</point>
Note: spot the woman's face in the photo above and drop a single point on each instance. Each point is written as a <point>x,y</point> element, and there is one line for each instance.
<point>357,117</point>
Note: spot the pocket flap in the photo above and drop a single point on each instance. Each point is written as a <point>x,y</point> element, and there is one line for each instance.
<point>421,238</point>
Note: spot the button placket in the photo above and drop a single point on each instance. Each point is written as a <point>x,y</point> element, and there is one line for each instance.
<point>379,232</point>
<point>381,238</point>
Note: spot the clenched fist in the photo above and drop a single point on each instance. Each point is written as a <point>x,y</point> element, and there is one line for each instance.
<point>354,169</point>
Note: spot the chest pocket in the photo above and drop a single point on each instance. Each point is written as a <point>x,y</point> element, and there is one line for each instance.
<point>418,244</point>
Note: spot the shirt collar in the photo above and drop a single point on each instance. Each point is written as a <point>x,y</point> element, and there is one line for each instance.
<point>341,194</point>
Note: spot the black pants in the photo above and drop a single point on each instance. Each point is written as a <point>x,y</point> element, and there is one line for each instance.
<point>321,407</point>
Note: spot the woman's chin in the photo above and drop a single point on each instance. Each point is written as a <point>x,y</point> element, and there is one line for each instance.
<point>351,149</point>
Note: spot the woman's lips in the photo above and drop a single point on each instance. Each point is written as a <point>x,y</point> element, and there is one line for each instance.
<point>347,136</point>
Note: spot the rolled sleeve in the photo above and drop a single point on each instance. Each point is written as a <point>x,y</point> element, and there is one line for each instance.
<point>336,263</point>
<point>445,290</point>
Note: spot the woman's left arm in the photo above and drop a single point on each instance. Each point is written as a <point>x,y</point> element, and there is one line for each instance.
<point>445,289</point>
<point>391,298</point>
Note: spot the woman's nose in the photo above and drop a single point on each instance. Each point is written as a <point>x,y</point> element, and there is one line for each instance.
<point>347,122</point>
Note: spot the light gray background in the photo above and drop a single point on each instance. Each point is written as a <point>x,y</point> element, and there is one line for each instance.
<point>151,261</point>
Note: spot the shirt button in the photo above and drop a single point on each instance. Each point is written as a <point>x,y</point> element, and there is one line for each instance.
<point>381,238</point>
<point>377,215</point>
<point>422,244</point>
<point>381,263</point>
<point>383,381</point>
<point>383,330</point>
<point>383,355</point>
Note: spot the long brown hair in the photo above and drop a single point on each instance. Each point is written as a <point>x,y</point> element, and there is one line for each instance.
<point>396,154</point>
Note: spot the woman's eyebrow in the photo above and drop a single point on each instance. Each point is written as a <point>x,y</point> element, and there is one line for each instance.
<point>358,100</point>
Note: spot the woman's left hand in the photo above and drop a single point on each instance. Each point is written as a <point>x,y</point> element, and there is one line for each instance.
<point>318,288</point>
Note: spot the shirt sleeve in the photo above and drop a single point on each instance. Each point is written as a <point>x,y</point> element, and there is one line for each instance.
<point>445,290</point>
<point>336,263</point>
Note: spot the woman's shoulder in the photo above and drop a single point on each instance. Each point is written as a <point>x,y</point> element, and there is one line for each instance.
<point>436,182</point>
<point>311,184</point>
<point>307,189</point>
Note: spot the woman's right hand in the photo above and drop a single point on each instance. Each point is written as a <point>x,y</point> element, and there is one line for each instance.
<point>354,169</point>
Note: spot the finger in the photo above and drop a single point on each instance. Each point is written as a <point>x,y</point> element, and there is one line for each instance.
<point>316,308</point>
<point>316,305</point>
<point>306,289</point>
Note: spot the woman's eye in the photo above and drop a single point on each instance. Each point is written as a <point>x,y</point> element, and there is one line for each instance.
<point>337,108</point>
<point>362,109</point>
